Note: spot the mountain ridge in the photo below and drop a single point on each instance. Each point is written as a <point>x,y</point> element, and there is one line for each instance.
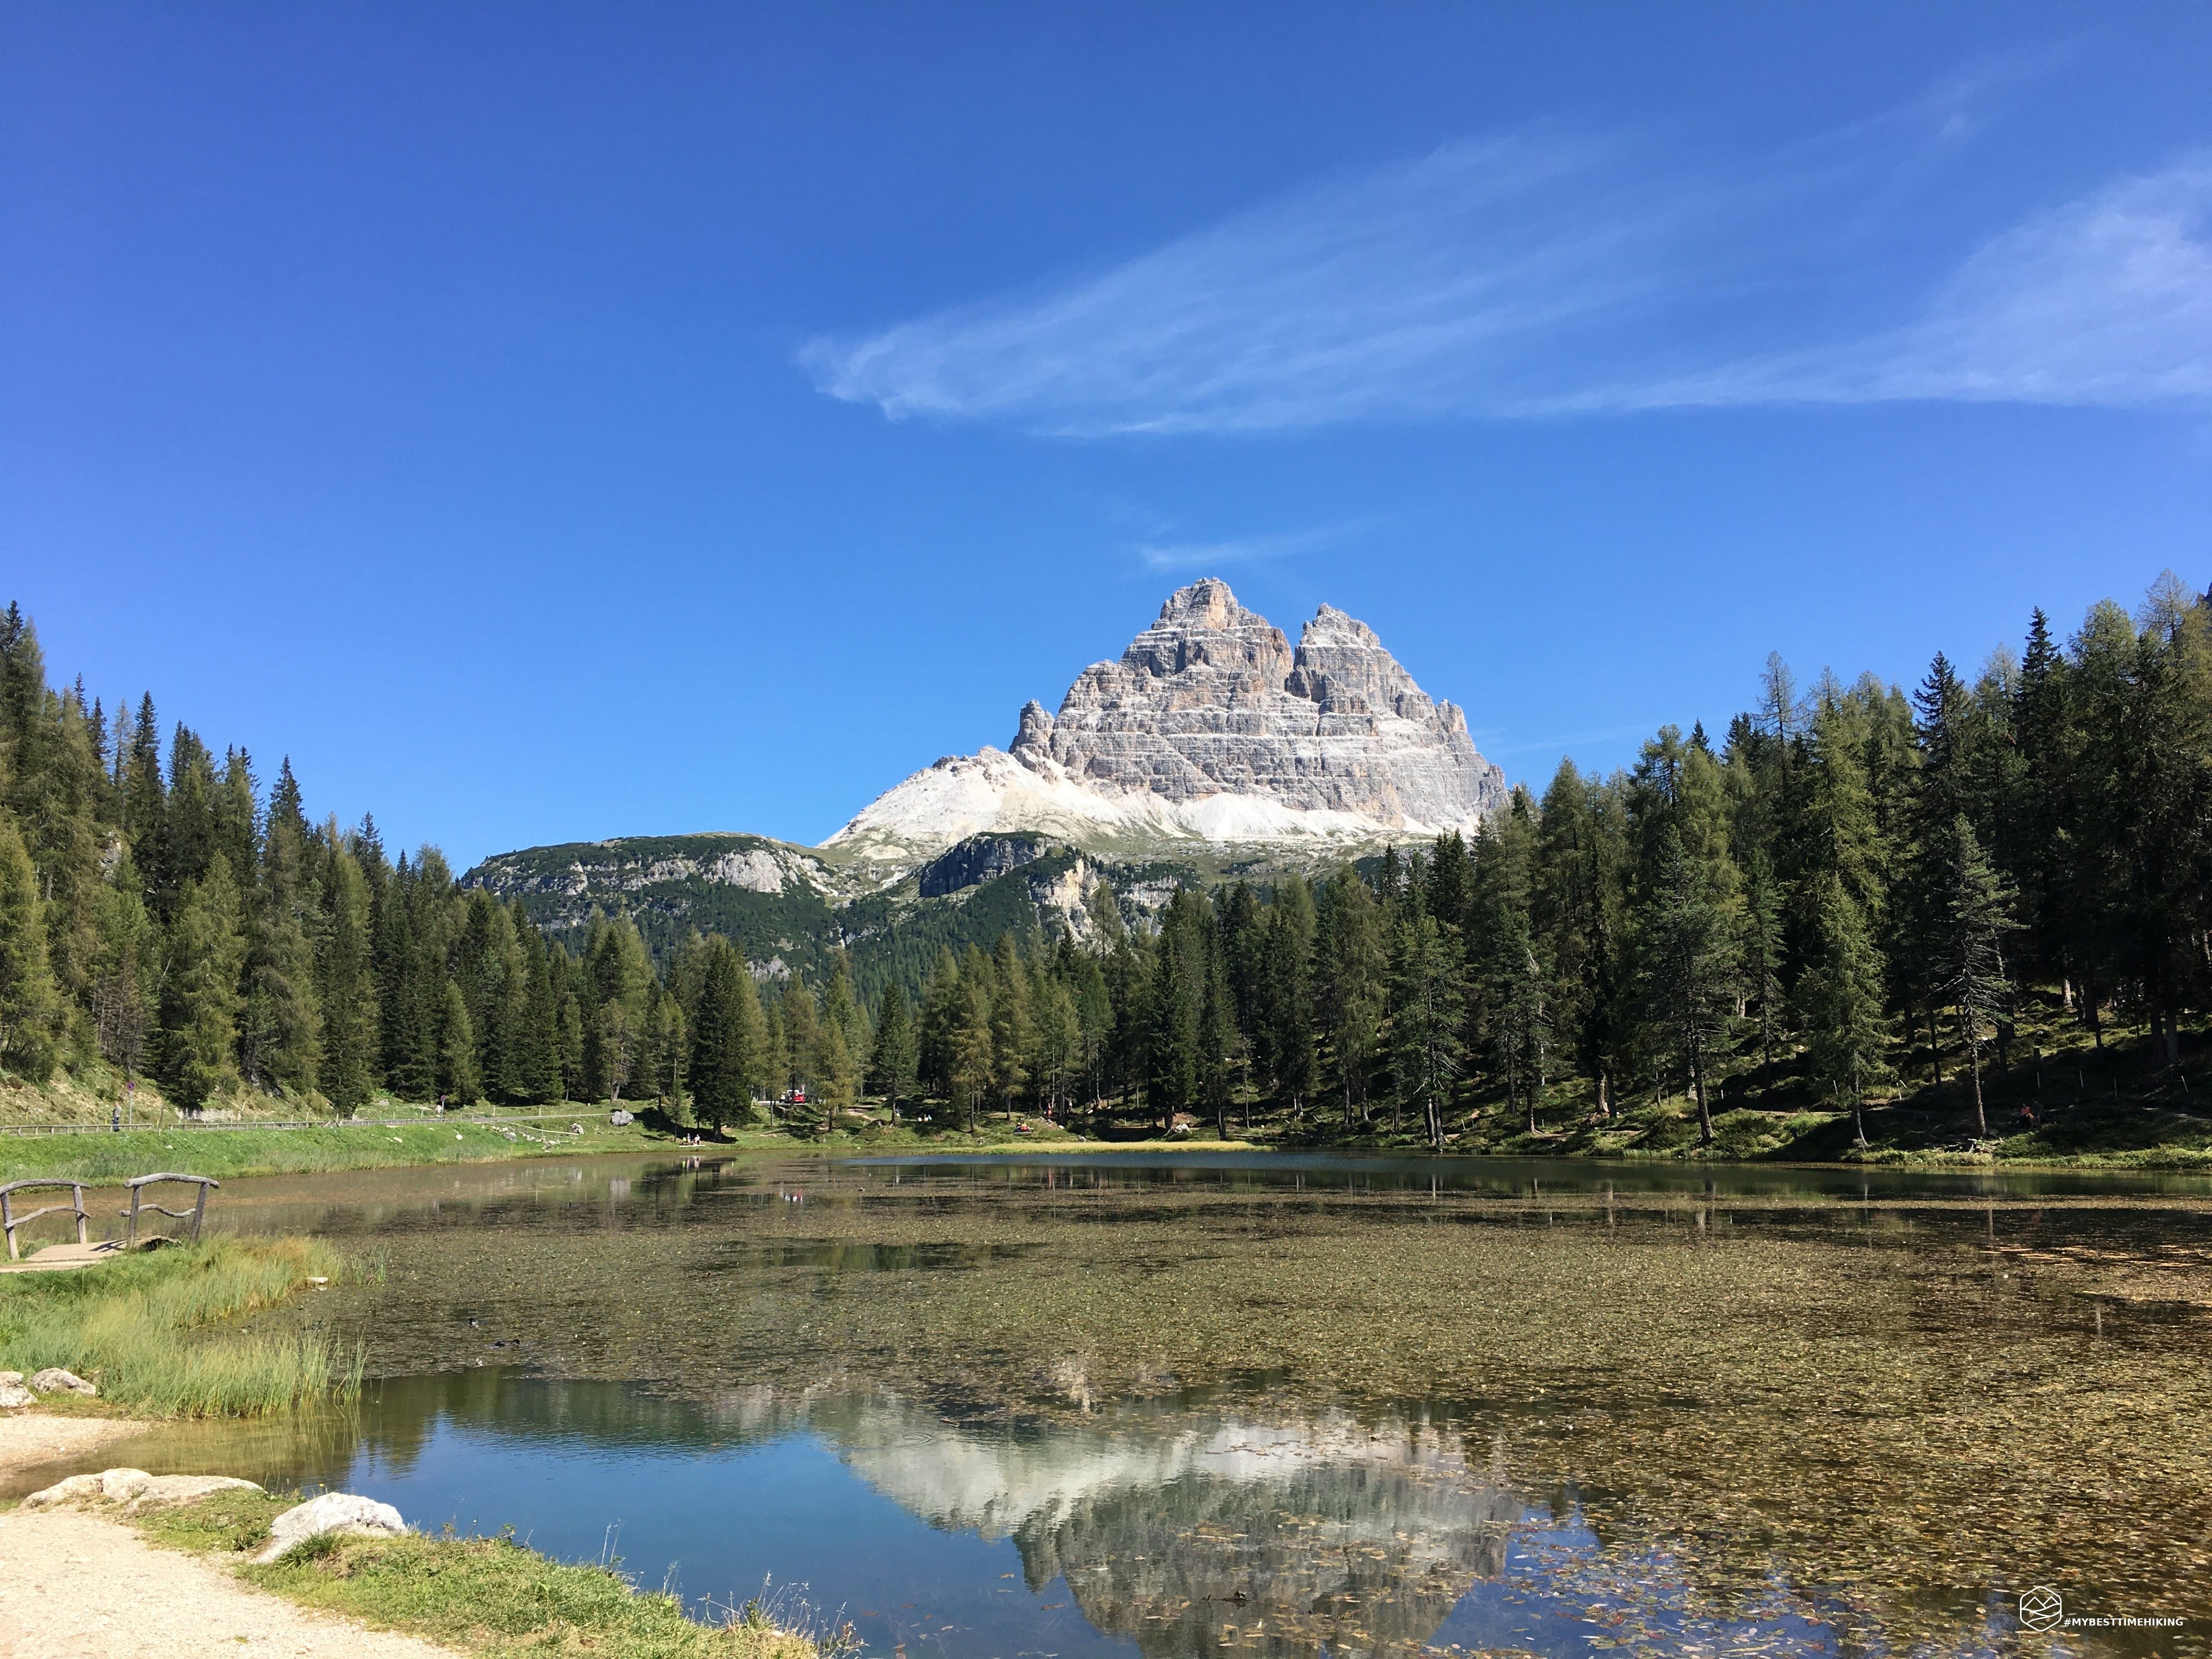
<point>1210,729</point>
<point>1211,748</point>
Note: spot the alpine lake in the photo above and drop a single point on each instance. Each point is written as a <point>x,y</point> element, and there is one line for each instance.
<point>1052,1408</point>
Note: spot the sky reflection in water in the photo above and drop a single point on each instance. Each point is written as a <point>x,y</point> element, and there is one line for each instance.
<point>1239,1516</point>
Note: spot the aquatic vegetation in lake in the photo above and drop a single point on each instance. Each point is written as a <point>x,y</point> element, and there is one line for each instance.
<point>1884,1413</point>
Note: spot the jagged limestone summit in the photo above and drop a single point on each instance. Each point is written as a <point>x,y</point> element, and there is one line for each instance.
<point>1209,730</point>
<point>1210,745</point>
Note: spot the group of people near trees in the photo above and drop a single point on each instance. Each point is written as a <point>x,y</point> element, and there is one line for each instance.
<point>1848,885</point>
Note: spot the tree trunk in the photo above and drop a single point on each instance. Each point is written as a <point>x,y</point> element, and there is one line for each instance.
<point>1935,1053</point>
<point>1704,1115</point>
<point>1974,1058</point>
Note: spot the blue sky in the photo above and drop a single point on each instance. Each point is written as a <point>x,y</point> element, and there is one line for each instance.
<point>547,423</point>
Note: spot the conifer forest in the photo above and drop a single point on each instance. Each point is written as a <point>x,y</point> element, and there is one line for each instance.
<point>1849,892</point>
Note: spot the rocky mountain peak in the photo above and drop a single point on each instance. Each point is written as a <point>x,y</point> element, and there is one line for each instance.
<point>1211,727</point>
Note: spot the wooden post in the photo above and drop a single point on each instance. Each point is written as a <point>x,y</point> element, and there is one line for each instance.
<point>7,1226</point>
<point>199,1209</point>
<point>76,1197</point>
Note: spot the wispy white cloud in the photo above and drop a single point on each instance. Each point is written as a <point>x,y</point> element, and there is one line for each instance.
<point>1182,555</point>
<point>2106,300</point>
<point>1540,276</point>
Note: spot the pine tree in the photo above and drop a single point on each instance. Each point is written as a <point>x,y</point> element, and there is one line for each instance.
<point>458,1083</point>
<point>1285,1011</point>
<point>1575,902</point>
<point>1758,949</point>
<point>1176,1006</point>
<point>538,1049</point>
<point>345,988</point>
<point>940,1013</point>
<point>666,1044</point>
<point>898,1053</point>
<point>1012,1024</point>
<point>200,999</point>
<point>280,1030</point>
<point>569,1032</point>
<point>616,973</point>
<point>127,970</point>
<point>1352,963</point>
<point>1977,916</point>
<point>28,1000</point>
<point>1424,1031</point>
<point>725,1037</point>
<point>1217,1043</point>
<point>1840,1004</point>
<point>1057,1062</point>
<point>970,1058</point>
<point>802,1032</point>
<point>1684,965</point>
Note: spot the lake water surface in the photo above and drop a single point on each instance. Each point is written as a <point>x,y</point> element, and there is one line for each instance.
<point>1075,1405</point>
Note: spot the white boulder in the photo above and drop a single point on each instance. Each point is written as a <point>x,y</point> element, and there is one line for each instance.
<point>135,1488</point>
<point>55,1379</point>
<point>78,1486</point>
<point>14,1396</point>
<point>185,1489</point>
<point>334,1511</point>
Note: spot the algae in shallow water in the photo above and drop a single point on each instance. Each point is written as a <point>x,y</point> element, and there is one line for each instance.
<point>1905,1408</point>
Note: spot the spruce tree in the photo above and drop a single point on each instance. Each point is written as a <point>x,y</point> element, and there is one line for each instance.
<point>460,1084</point>
<point>1012,1025</point>
<point>1424,1034</point>
<point>1285,1011</point>
<point>1217,1043</point>
<point>724,1058</point>
<point>280,1030</point>
<point>345,988</point>
<point>200,999</point>
<point>537,1038</point>
<point>29,1004</point>
<point>1352,962</point>
<point>898,1053</point>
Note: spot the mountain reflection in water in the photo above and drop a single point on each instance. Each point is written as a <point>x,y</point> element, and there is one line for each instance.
<point>1184,1530</point>
<point>1066,1407</point>
<point>1189,1532</point>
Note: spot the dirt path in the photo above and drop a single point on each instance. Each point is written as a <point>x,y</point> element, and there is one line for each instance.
<point>77,1586</point>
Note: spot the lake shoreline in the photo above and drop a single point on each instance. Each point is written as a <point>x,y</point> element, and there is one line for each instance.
<point>2147,1140</point>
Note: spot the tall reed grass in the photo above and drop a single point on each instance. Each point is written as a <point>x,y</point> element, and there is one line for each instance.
<point>139,1326</point>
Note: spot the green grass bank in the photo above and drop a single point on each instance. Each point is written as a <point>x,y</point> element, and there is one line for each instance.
<point>110,1158</point>
<point>146,1327</point>
<point>486,1596</point>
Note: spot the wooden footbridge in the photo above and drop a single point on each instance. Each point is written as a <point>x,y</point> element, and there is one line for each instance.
<point>138,1221</point>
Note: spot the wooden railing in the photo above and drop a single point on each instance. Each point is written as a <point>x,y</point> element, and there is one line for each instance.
<point>139,1202</point>
<point>10,1220</point>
